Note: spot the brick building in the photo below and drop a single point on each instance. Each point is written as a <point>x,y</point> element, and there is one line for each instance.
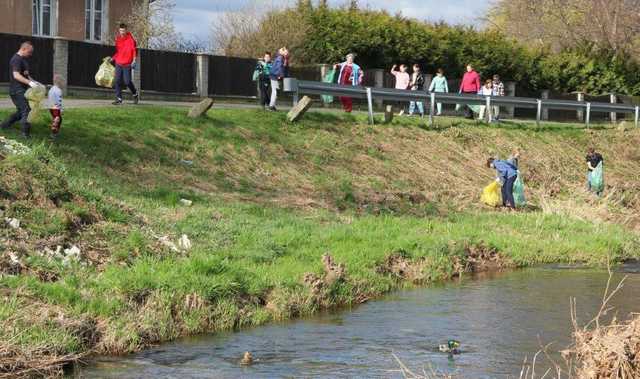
<point>81,20</point>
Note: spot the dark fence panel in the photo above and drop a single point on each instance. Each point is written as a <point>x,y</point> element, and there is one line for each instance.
<point>311,73</point>
<point>230,76</point>
<point>84,61</point>
<point>167,71</point>
<point>40,64</point>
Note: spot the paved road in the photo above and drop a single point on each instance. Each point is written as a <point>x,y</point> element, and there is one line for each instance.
<point>5,103</point>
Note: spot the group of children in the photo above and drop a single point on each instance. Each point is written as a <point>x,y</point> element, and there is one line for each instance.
<point>470,84</point>
<point>268,74</point>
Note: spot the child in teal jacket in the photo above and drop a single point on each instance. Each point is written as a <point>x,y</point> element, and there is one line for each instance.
<point>439,84</point>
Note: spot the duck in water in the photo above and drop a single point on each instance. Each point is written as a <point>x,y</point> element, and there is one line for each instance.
<point>451,347</point>
<point>247,359</point>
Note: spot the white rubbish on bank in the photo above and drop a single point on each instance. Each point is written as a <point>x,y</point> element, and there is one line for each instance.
<point>72,254</point>
<point>184,243</point>
<point>166,242</point>
<point>185,202</point>
<point>13,223</point>
<point>11,147</point>
<point>14,258</point>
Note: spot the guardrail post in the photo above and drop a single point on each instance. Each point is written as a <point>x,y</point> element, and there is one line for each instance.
<point>489,116</point>
<point>580,112</point>
<point>545,112</point>
<point>539,113</point>
<point>614,100</point>
<point>637,116</point>
<point>511,91</point>
<point>588,116</point>
<point>432,108</point>
<point>370,105</point>
<point>378,82</point>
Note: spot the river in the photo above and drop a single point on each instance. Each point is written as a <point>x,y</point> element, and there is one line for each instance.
<point>499,319</point>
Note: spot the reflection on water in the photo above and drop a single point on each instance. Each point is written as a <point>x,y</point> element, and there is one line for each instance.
<point>499,321</point>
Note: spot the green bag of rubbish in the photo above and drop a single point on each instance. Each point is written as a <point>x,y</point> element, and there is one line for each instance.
<point>328,78</point>
<point>256,75</point>
<point>491,195</point>
<point>35,96</point>
<point>597,179</point>
<point>106,75</point>
<point>518,192</point>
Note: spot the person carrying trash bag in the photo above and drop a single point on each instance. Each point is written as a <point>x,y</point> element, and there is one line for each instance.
<point>125,62</point>
<point>595,173</point>
<point>19,81</point>
<point>507,175</point>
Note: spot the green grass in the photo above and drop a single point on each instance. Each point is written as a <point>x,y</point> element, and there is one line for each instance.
<point>270,198</point>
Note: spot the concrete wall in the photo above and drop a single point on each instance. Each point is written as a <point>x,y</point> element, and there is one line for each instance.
<point>15,17</point>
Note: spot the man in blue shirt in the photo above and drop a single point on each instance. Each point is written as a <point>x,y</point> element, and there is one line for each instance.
<point>507,174</point>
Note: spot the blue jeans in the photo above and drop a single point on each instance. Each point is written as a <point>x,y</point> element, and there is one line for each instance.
<point>123,76</point>
<point>22,112</point>
<point>412,107</point>
<point>507,192</point>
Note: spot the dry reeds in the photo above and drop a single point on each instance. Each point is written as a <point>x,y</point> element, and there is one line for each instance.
<point>40,361</point>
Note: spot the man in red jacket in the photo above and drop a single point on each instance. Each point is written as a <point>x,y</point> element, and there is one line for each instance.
<point>471,85</point>
<point>125,60</point>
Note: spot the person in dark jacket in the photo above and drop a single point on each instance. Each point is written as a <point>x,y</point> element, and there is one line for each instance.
<point>264,81</point>
<point>507,174</point>
<point>125,60</point>
<point>417,84</point>
<point>19,81</point>
<point>278,72</point>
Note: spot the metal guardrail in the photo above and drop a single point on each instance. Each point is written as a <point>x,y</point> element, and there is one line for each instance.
<point>330,89</point>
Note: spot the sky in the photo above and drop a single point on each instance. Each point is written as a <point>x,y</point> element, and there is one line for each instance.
<point>194,17</point>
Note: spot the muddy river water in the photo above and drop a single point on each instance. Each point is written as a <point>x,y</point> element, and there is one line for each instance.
<point>499,320</point>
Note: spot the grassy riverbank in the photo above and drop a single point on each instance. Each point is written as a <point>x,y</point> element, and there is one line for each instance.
<point>390,205</point>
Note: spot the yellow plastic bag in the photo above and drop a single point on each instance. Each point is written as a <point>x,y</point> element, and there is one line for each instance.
<point>106,74</point>
<point>491,195</point>
<point>35,96</point>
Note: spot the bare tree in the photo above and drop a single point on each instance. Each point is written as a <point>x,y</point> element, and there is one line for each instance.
<point>256,28</point>
<point>152,24</point>
<point>607,24</point>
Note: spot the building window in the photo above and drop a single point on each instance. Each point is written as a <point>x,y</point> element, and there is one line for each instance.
<point>43,20</point>
<point>94,19</point>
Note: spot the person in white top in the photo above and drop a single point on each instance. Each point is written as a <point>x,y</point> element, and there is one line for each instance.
<point>55,105</point>
<point>486,90</point>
